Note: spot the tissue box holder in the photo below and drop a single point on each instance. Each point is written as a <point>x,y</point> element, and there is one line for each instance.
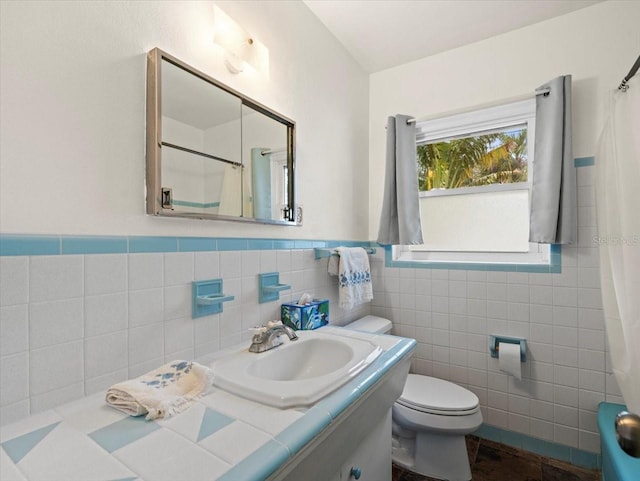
<point>306,317</point>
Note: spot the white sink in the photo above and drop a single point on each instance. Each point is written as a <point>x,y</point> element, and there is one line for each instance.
<point>296,373</point>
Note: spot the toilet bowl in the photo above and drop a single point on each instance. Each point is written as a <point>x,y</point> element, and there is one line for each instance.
<point>430,420</point>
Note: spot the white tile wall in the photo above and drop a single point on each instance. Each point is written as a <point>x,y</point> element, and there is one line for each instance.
<point>566,374</point>
<point>73,325</point>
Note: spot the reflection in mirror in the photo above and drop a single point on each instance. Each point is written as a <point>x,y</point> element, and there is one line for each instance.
<point>264,147</point>
<point>212,153</point>
<point>202,150</point>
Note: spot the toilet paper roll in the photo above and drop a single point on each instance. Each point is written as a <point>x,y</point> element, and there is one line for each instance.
<point>509,359</point>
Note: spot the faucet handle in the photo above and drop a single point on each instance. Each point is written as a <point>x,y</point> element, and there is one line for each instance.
<point>273,323</point>
<point>257,330</point>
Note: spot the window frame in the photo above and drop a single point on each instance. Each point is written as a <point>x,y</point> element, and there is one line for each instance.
<point>465,124</point>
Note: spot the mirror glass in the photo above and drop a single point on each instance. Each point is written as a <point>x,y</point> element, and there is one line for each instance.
<point>264,156</point>
<point>213,153</point>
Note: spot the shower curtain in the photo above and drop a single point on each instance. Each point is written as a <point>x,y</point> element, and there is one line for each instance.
<point>231,195</point>
<point>617,203</point>
<point>261,183</point>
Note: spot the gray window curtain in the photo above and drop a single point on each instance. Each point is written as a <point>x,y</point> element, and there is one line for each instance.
<point>554,218</point>
<point>400,218</point>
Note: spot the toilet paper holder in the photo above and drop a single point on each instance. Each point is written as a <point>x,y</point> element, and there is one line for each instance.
<point>494,345</point>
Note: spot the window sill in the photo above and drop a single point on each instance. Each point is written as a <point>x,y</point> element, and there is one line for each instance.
<point>433,260</point>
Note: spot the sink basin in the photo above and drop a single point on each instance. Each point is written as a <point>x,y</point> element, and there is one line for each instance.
<point>296,373</point>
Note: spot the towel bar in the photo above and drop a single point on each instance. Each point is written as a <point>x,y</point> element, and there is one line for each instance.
<point>321,253</point>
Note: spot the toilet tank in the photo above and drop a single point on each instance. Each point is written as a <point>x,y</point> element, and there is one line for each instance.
<point>372,324</point>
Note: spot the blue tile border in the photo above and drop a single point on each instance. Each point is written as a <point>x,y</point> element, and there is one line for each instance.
<point>197,244</point>
<point>153,244</point>
<point>29,245</point>
<point>584,161</point>
<point>575,456</point>
<point>33,245</point>
<point>94,245</point>
<point>554,267</point>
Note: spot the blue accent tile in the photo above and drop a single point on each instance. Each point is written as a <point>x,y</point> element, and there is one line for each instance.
<point>212,421</point>
<point>584,161</point>
<point>555,269</point>
<point>550,449</point>
<point>260,464</point>
<point>511,438</point>
<point>555,248</point>
<point>539,269</point>
<point>534,445</point>
<point>283,244</point>
<point>296,436</point>
<point>259,244</point>
<point>305,244</point>
<point>94,245</point>
<point>232,244</point>
<point>196,244</point>
<point>491,433</point>
<point>153,244</point>
<point>29,245</point>
<point>559,451</point>
<point>123,432</point>
<point>200,205</point>
<point>584,459</point>
<point>18,448</point>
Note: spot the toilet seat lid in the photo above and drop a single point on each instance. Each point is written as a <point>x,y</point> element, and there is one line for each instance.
<point>430,394</point>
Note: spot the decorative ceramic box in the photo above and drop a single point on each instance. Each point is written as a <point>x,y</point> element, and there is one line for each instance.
<point>306,317</point>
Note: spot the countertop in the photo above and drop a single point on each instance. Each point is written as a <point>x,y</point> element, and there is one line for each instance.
<point>220,437</point>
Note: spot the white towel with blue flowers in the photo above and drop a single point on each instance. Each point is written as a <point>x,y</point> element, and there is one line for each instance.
<point>163,392</point>
<point>354,277</point>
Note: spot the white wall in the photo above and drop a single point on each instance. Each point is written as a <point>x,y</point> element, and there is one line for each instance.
<point>597,45</point>
<point>452,313</point>
<point>73,112</point>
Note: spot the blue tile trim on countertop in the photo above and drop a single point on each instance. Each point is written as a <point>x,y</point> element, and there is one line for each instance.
<point>301,432</point>
<point>264,461</point>
<point>33,245</point>
<point>575,456</point>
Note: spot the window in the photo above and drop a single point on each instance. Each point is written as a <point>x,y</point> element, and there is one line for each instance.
<point>475,178</point>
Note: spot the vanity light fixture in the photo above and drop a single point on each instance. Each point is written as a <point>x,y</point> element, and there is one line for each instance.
<point>241,49</point>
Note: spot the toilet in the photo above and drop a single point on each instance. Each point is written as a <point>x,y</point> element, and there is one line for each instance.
<point>430,420</point>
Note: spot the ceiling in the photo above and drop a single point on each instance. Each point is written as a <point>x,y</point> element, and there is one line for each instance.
<point>381,34</point>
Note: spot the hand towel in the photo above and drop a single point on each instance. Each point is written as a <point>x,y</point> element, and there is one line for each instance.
<point>354,277</point>
<point>163,392</point>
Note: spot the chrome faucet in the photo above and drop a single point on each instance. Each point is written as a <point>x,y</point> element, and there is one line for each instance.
<point>267,337</point>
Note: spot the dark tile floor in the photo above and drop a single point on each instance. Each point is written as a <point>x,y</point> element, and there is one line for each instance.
<point>491,461</point>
